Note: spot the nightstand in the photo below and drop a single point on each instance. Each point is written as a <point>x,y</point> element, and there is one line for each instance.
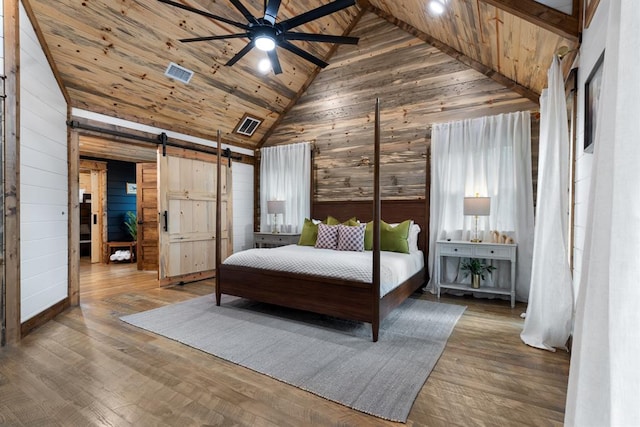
<point>489,251</point>
<point>271,240</point>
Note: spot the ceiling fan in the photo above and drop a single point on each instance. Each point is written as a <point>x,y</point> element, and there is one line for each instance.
<point>265,33</point>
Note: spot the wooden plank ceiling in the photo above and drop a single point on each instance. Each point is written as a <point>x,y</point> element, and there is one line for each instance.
<point>110,55</point>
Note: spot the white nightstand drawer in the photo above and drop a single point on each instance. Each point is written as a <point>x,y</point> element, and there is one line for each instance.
<point>456,250</point>
<point>493,252</point>
<point>275,239</point>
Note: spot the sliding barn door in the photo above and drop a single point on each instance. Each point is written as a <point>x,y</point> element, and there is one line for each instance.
<point>147,212</point>
<point>187,200</point>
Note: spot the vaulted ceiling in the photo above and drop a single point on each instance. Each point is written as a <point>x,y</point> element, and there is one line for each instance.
<point>110,55</point>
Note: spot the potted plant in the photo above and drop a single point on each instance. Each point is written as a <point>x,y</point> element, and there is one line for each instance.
<point>131,224</point>
<point>477,269</point>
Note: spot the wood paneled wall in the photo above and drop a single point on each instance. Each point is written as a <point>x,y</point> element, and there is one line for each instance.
<point>417,85</point>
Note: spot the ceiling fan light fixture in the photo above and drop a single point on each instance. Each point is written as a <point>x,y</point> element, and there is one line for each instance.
<point>265,34</point>
<point>436,7</point>
<point>264,65</point>
<point>265,43</point>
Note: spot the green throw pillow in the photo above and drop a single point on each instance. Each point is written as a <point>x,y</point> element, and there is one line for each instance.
<point>392,239</point>
<point>395,239</point>
<point>368,236</point>
<point>351,222</point>
<point>333,221</point>
<point>309,233</point>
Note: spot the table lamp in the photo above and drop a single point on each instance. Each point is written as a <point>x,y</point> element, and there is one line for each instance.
<point>275,207</point>
<point>477,206</point>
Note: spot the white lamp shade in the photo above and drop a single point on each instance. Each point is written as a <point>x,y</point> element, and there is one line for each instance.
<point>480,206</point>
<point>275,206</point>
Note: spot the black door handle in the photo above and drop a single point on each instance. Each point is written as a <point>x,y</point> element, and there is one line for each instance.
<point>166,220</point>
<point>95,218</point>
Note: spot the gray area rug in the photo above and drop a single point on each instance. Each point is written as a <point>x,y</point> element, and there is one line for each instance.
<point>330,357</point>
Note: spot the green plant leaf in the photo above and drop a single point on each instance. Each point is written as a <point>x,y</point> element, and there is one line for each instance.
<point>476,266</point>
<point>131,224</point>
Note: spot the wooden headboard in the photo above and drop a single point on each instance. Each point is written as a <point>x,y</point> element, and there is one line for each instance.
<point>391,211</point>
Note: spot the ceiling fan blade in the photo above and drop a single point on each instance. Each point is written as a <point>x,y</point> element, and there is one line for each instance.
<point>316,13</point>
<point>204,13</point>
<point>275,62</point>
<point>301,53</point>
<point>321,38</point>
<point>271,11</point>
<point>207,38</point>
<point>240,54</point>
<point>245,12</point>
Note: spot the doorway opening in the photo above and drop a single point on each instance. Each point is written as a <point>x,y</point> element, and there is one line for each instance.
<point>110,202</point>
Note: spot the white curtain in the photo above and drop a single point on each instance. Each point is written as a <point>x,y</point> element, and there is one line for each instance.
<point>549,313</point>
<point>604,377</point>
<point>285,174</point>
<point>489,156</point>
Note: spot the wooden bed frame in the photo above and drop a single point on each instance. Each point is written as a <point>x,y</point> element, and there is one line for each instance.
<point>335,297</point>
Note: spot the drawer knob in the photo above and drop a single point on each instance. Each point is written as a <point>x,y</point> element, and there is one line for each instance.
<point>492,251</point>
<point>455,250</point>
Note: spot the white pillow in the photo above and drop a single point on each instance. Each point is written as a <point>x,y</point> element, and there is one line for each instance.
<point>414,230</point>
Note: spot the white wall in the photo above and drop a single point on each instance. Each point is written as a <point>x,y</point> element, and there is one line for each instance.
<point>242,176</point>
<point>43,180</point>
<point>593,43</point>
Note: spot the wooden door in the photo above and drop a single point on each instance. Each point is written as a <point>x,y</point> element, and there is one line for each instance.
<point>96,218</point>
<point>97,184</point>
<point>187,200</point>
<point>147,212</point>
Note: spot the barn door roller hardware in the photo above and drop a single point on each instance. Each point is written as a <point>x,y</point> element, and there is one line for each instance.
<point>161,139</point>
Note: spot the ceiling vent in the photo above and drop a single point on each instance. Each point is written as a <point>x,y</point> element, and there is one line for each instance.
<point>248,125</point>
<point>179,73</point>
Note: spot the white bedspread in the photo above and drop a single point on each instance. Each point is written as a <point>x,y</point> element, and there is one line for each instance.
<point>357,266</point>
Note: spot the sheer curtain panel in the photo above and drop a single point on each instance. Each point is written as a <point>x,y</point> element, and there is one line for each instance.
<point>490,157</point>
<point>285,174</point>
<point>550,310</point>
<point>604,377</point>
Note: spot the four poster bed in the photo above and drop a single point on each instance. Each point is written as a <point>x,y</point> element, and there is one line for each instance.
<point>334,296</point>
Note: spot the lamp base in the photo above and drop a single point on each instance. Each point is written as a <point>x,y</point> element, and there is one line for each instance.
<point>475,241</point>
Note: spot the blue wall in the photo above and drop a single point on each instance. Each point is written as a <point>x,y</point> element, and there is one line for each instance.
<point>118,201</point>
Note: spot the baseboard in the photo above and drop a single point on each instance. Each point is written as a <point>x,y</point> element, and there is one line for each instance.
<point>44,317</point>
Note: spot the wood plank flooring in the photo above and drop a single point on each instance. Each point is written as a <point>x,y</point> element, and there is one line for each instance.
<point>86,367</point>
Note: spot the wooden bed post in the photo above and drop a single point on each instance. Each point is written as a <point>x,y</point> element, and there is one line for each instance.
<point>375,321</point>
<point>218,219</point>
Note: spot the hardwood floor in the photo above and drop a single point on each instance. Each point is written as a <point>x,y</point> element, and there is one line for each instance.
<point>86,367</point>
